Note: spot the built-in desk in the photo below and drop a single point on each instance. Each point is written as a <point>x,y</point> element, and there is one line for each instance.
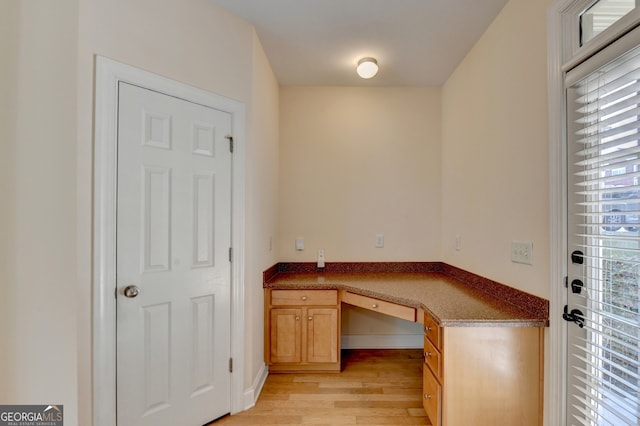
<point>483,344</point>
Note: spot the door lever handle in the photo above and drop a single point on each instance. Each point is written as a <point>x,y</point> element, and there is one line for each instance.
<point>575,315</point>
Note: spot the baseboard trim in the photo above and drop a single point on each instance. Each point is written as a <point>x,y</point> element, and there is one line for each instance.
<point>382,341</point>
<point>251,395</point>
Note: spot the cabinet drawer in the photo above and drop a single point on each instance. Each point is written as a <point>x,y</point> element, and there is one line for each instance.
<point>432,397</point>
<point>433,331</point>
<point>381,306</point>
<point>304,297</point>
<point>433,358</point>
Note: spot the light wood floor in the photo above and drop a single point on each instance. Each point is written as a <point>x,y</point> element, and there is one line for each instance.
<point>375,387</point>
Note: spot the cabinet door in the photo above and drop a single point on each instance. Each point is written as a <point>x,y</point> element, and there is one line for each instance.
<point>322,335</point>
<point>286,335</point>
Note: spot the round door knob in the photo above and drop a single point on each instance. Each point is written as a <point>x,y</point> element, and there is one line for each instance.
<point>304,298</point>
<point>374,306</point>
<point>310,318</point>
<point>131,291</point>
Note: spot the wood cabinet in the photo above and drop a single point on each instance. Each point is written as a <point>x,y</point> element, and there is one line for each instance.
<point>477,373</point>
<point>482,375</point>
<point>302,330</point>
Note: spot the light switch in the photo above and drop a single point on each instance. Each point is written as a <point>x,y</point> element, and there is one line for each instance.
<point>299,244</point>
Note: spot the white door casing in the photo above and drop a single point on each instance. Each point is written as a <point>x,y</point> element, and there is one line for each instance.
<point>172,244</point>
<point>109,74</point>
<point>563,52</point>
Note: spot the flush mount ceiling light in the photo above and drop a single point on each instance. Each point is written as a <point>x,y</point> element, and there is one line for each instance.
<point>367,67</point>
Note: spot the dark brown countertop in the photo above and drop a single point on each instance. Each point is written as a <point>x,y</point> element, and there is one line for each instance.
<point>455,298</point>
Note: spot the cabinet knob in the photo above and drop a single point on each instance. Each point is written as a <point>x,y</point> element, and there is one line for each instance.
<point>310,318</point>
<point>427,396</point>
<point>427,354</point>
<point>297,318</point>
<point>304,298</point>
<point>374,306</point>
<point>428,329</point>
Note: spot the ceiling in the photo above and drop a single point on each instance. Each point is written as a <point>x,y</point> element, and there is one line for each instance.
<point>319,42</point>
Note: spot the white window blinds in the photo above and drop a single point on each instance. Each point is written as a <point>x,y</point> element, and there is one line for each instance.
<point>603,111</point>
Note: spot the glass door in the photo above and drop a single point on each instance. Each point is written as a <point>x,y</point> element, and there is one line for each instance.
<point>603,283</point>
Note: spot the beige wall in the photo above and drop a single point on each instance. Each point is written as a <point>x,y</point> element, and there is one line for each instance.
<point>495,157</point>
<point>364,328</point>
<point>355,162</point>
<point>262,203</point>
<point>9,31</point>
<point>40,279</point>
<point>495,185</point>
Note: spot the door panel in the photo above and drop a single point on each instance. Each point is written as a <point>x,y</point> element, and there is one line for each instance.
<point>173,237</point>
<point>202,378</point>
<point>157,326</point>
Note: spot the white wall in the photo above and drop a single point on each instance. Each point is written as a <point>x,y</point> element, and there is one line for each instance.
<point>39,281</point>
<point>355,162</point>
<point>495,169</point>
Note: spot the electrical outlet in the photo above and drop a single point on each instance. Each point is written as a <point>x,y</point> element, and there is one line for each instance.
<point>522,252</point>
<point>379,240</point>
<point>299,243</point>
<point>458,243</point>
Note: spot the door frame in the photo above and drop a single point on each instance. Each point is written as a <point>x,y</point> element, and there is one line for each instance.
<point>108,74</point>
<point>564,52</point>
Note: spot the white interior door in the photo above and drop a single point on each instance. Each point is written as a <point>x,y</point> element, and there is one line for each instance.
<point>173,269</point>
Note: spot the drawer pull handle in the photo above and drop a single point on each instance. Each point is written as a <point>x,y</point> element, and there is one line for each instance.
<point>310,318</point>
<point>297,318</point>
<point>427,396</point>
<point>304,298</point>
<point>374,306</point>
